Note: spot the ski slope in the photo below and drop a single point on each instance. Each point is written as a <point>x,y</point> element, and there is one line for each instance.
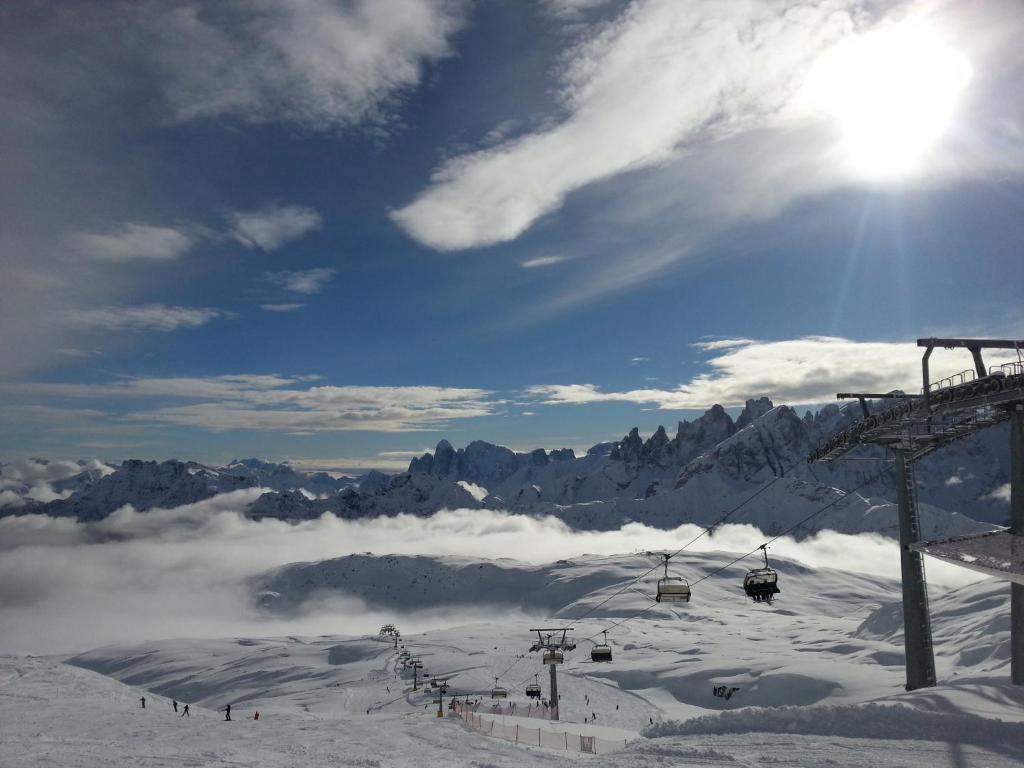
<point>818,679</point>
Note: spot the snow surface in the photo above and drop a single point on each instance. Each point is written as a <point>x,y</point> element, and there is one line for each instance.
<point>819,677</point>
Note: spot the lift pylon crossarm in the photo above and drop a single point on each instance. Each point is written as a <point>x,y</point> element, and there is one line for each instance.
<point>563,644</point>
<point>969,343</point>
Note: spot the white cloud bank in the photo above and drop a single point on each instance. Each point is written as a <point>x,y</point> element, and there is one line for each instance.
<point>69,586</point>
<point>806,370</point>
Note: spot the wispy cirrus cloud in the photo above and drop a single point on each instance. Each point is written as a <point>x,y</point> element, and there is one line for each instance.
<point>275,403</point>
<point>307,281</point>
<point>148,317</point>
<point>806,370</point>
<point>541,261</point>
<point>281,307</point>
<point>661,74</point>
<point>270,228</point>
<point>133,242</point>
<point>319,64</point>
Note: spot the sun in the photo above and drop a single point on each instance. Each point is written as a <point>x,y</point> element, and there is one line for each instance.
<point>893,94</point>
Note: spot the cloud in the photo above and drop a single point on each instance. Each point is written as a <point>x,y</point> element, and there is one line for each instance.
<point>69,586</point>
<point>332,409</point>
<point>80,353</point>
<point>806,370</point>
<point>1002,493</point>
<point>281,307</point>
<point>133,242</point>
<point>278,403</point>
<point>320,64</point>
<point>541,261</point>
<point>273,226</point>
<point>661,75</point>
<point>308,281</point>
<point>149,317</point>
<point>385,461</point>
<point>22,480</point>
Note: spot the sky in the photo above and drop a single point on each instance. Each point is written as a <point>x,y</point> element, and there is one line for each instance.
<point>334,233</point>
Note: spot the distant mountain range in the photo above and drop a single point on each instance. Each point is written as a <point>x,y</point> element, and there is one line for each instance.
<point>711,465</point>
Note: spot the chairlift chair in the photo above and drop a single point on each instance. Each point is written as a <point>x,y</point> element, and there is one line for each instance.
<point>553,656</point>
<point>672,589</point>
<point>762,584</point>
<point>497,692</point>
<point>533,689</point>
<point>601,651</point>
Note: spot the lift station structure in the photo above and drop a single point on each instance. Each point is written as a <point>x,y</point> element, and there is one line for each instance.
<point>914,426</point>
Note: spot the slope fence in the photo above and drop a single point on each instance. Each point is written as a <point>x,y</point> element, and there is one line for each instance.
<point>537,737</point>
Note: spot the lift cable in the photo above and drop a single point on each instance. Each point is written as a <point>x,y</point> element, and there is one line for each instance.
<point>764,487</point>
<point>786,532</point>
<point>519,658</point>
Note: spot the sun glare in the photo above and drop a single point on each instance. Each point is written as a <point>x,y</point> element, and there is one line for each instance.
<point>893,94</point>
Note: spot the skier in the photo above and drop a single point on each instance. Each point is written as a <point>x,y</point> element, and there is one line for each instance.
<point>227,713</point>
<point>143,700</point>
<point>593,717</point>
<point>185,712</point>
<point>175,705</point>
<point>257,715</point>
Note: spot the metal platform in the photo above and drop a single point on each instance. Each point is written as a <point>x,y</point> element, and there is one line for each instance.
<point>997,553</point>
<point>924,423</point>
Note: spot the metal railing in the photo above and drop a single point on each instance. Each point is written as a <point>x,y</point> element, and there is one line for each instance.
<point>953,381</point>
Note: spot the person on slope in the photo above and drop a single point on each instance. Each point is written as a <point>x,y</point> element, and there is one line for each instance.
<point>185,713</point>
<point>257,715</point>
<point>227,713</point>
<point>174,704</point>
<point>143,700</point>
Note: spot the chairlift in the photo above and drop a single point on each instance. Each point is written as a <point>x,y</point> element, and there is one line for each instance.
<point>762,584</point>
<point>601,651</point>
<point>672,589</point>
<point>533,689</point>
<point>497,692</point>
<point>553,656</point>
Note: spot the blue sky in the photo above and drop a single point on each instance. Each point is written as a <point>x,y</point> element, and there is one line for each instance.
<point>335,232</point>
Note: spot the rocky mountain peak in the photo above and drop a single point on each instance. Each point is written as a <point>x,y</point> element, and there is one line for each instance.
<point>753,410</point>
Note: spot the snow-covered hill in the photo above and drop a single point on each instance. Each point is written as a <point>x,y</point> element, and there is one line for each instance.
<point>822,665</point>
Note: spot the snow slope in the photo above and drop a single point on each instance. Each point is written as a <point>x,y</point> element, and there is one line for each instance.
<point>818,676</point>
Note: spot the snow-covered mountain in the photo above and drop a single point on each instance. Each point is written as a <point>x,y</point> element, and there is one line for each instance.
<point>97,489</point>
<point>27,483</point>
<point>284,477</point>
<point>710,465</point>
